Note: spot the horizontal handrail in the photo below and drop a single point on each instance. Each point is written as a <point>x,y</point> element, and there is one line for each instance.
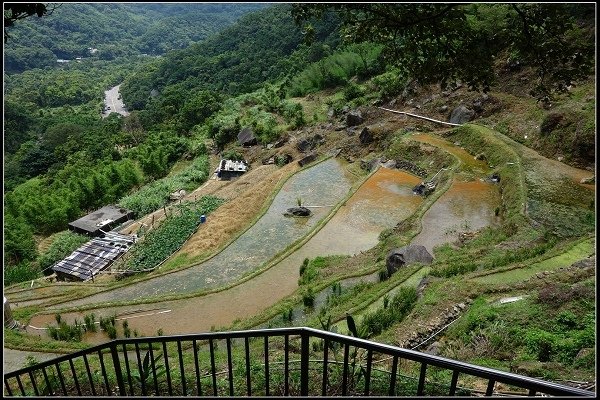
<point>123,373</point>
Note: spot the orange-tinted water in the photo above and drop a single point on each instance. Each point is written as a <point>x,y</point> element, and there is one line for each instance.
<point>381,202</point>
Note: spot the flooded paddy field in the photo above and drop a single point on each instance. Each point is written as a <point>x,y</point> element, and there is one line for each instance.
<point>466,206</point>
<point>381,202</point>
<point>324,184</point>
<point>354,228</point>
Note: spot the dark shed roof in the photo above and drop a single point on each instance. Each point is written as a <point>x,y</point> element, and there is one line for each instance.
<point>104,218</point>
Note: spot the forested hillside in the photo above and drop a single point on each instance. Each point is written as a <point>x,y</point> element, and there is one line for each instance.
<point>260,47</point>
<point>114,30</point>
<point>62,159</point>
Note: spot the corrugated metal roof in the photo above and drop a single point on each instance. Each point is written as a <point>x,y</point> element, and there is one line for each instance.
<point>93,222</point>
<point>94,256</point>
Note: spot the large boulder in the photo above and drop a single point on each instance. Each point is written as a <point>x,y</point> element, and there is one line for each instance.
<point>365,136</point>
<point>246,137</point>
<point>354,118</point>
<point>308,159</point>
<point>399,257</point>
<point>310,143</point>
<point>461,115</point>
<point>297,212</point>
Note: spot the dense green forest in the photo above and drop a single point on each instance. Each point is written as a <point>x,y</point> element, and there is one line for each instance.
<point>114,30</point>
<point>261,47</point>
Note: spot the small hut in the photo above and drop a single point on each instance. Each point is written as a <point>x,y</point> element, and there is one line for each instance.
<point>229,169</point>
<point>100,220</point>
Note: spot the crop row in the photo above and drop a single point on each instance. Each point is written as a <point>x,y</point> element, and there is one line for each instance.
<point>163,241</point>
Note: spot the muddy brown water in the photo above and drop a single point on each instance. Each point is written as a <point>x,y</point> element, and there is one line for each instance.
<point>382,201</point>
<point>467,159</point>
<point>466,206</point>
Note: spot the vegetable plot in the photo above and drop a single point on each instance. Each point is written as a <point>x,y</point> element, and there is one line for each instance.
<point>166,239</point>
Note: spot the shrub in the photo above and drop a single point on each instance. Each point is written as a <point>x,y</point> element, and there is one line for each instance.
<point>293,113</point>
<point>336,288</point>
<point>352,91</point>
<point>540,343</point>
<point>392,312</point>
<point>304,266</point>
<point>90,322</point>
<point>111,331</point>
<point>308,298</point>
<point>21,272</point>
<point>309,272</point>
<point>389,84</point>
<point>232,155</point>
<point>288,314</point>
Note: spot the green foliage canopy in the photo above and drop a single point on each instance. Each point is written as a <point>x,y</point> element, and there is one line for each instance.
<point>443,43</point>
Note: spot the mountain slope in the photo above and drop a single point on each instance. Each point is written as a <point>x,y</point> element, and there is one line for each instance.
<point>114,30</point>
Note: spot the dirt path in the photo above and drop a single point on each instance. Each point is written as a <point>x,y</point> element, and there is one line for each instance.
<point>15,359</point>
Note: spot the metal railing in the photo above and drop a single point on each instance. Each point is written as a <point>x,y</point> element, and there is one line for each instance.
<point>295,361</point>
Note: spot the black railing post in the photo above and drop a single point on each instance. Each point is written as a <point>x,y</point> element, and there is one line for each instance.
<point>304,354</point>
<point>117,365</point>
<point>421,386</point>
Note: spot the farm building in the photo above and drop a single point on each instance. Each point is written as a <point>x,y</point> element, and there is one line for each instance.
<point>228,169</point>
<point>92,257</point>
<point>103,219</point>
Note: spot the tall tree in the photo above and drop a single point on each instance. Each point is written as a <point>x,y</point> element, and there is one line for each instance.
<point>448,42</point>
<point>17,11</point>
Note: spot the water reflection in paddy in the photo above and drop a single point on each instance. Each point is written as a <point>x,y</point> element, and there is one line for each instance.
<point>381,202</point>
<point>466,206</point>
<point>323,184</point>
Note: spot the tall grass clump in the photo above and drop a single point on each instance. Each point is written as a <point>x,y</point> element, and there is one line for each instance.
<point>394,311</point>
<point>21,272</point>
<point>334,70</point>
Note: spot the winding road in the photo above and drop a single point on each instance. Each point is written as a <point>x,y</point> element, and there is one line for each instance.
<point>113,102</point>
